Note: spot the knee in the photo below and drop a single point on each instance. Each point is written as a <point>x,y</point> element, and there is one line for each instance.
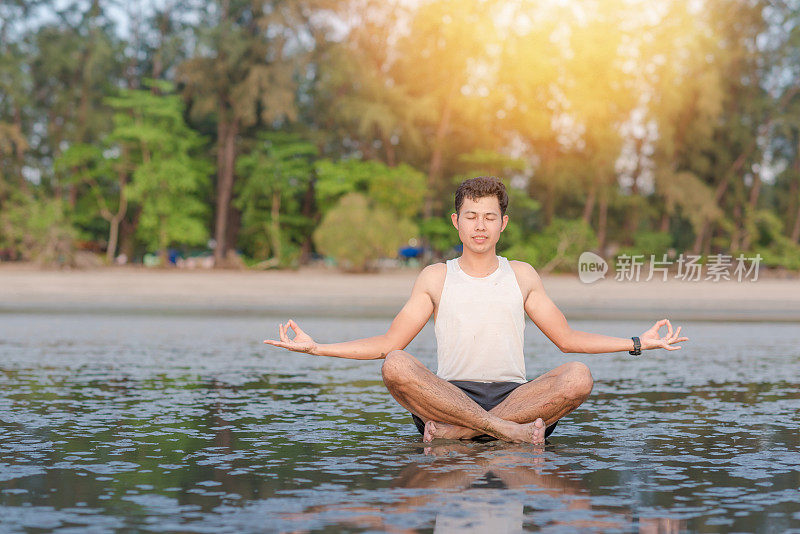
<point>396,366</point>
<point>579,378</point>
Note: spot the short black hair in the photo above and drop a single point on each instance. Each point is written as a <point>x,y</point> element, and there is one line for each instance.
<point>479,187</point>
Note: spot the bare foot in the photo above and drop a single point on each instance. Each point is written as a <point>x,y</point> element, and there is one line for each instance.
<point>538,432</point>
<point>528,433</point>
<point>525,433</point>
<point>436,429</point>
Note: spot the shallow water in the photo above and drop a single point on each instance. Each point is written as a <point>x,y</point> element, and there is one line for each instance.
<point>171,423</point>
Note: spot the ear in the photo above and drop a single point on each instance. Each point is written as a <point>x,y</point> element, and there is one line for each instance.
<point>505,222</point>
<point>454,218</point>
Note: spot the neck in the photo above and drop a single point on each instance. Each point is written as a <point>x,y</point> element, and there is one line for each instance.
<point>480,264</point>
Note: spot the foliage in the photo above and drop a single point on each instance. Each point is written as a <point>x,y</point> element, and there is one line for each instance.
<point>36,230</point>
<point>169,173</point>
<point>647,243</point>
<point>439,234</point>
<point>776,249</point>
<point>557,247</point>
<point>684,123</point>
<point>356,234</point>
<point>399,189</point>
<point>274,177</point>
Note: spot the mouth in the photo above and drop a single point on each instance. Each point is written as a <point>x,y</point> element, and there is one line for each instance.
<point>480,238</point>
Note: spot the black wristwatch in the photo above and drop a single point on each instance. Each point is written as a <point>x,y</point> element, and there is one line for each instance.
<point>637,347</point>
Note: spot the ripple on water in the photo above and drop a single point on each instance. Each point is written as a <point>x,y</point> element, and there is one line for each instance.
<point>188,424</point>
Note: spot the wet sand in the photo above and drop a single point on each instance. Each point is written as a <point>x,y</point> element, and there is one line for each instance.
<point>322,292</point>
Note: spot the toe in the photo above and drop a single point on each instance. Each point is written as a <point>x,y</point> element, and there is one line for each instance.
<point>429,430</point>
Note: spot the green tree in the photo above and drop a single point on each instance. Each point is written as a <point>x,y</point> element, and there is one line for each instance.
<point>356,234</point>
<point>37,229</point>
<point>244,71</point>
<point>75,63</point>
<point>399,189</point>
<point>274,177</point>
<point>169,173</point>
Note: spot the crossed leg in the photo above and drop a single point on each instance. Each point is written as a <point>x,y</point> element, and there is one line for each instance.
<point>449,413</point>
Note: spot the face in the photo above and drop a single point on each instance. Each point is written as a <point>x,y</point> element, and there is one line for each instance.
<point>479,224</point>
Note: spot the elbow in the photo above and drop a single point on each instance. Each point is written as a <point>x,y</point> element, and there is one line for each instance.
<point>387,346</point>
<point>573,348</point>
<point>567,345</point>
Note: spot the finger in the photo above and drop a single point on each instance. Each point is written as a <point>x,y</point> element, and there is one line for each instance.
<point>296,328</point>
<point>669,328</point>
<point>681,339</point>
<point>291,324</point>
<point>276,343</point>
<point>673,347</point>
<point>658,325</point>
<point>677,332</point>
<point>284,337</point>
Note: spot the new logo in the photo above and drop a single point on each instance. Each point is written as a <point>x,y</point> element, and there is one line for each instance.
<point>591,267</point>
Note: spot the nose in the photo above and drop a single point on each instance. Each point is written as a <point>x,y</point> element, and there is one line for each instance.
<point>480,222</point>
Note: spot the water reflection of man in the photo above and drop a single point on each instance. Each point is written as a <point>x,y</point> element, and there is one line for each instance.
<point>486,490</point>
<point>478,302</point>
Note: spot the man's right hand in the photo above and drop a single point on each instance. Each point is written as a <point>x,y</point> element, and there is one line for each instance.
<point>302,342</point>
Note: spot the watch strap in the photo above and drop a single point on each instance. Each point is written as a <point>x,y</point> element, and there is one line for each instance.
<point>637,347</point>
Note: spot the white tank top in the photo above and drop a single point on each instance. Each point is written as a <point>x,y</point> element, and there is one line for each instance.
<point>480,326</point>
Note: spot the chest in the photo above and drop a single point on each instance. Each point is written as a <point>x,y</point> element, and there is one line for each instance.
<point>481,297</point>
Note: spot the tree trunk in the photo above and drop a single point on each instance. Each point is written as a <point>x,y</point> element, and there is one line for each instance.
<point>632,219</point>
<point>752,202</point>
<point>707,246</point>
<point>113,231</point>
<point>162,241</point>
<point>602,221</point>
<point>19,150</point>
<point>435,169</point>
<point>113,235</point>
<point>127,231</point>
<point>739,230</point>
<point>796,230</point>
<point>275,226</point>
<point>700,238</point>
<point>307,211</point>
<point>755,190</point>
<point>664,225</point>
<point>226,156</point>
<point>232,230</point>
<point>588,207</point>
<point>794,198</point>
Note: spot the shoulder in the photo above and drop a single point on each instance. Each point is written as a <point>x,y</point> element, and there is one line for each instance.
<point>527,277</point>
<point>523,269</point>
<point>431,280</point>
<point>433,273</point>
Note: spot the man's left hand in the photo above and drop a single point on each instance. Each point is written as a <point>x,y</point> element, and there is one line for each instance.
<point>652,340</point>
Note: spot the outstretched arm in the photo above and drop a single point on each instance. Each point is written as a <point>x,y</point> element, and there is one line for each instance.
<point>546,315</point>
<point>405,326</point>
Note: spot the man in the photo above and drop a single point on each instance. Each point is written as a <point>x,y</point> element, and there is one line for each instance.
<point>478,302</point>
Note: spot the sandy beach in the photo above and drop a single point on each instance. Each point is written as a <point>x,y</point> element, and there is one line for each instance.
<point>316,291</point>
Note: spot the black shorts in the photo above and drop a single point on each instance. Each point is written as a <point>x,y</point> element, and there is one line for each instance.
<point>487,395</point>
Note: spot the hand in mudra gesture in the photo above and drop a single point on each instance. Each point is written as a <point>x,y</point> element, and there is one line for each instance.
<point>652,340</point>
<point>302,342</point>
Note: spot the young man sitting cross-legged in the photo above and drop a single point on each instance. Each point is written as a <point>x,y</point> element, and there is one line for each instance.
<point>479,301</point>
